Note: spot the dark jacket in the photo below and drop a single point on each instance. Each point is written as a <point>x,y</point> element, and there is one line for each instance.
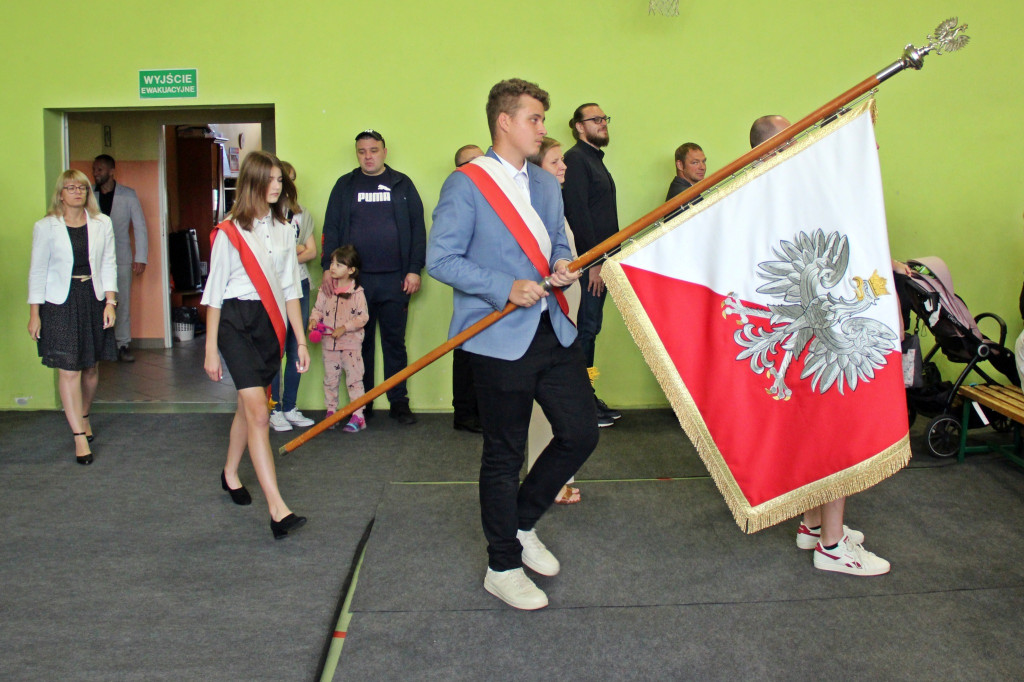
<point>412,230</point>
<point>678,186</point>
<point>589,194</point>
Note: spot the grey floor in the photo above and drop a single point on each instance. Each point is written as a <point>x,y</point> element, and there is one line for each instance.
<point>139,567</point>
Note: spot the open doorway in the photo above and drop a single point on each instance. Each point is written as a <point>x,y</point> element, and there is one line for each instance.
<point>180,191</point>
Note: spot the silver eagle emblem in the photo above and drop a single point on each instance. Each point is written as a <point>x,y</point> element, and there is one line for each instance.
<point>841,347</point>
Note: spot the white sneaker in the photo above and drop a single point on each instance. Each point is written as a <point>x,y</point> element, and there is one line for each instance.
<point>807,538</point>
<point>278,422</point>
<point>850,558</point>
<point>296,418</point>
<point>536,556</point>
<point>515,589</point>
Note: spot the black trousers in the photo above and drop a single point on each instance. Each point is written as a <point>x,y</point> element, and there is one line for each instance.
<point>463,393</point>
<point>556,377</point>
<point>388,306</point>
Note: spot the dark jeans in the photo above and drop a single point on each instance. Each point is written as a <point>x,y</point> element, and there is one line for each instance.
<point>389,307</point>
<point>291,356</point>
<point>556,378</point>
<point>463,393</point>
<point>589,321</point>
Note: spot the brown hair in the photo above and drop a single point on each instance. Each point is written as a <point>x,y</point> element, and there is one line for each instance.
<point>253,181</point>
<point>76,176</point>
<point>504,99</point>
<point>346,255</point>
<point>547,144</point>
<point>289,192</point>
<point>684,148</point>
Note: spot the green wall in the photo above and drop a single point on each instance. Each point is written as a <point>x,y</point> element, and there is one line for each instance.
<point>420,71</point>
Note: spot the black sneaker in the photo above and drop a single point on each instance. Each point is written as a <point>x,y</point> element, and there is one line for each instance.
<point>125,355</point>
<point>603,409</point>
<point>402,413</point>
<point>604,421</point>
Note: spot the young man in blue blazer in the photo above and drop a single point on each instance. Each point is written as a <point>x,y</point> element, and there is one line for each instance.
<point>531,354</point>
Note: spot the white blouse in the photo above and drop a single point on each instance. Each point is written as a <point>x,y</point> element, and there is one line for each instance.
<point>228,278</point>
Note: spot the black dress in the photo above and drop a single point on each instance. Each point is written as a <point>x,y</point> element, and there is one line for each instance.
<point>72,336</point>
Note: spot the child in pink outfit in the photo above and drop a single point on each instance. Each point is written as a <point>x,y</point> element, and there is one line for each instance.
<point>341,306</point>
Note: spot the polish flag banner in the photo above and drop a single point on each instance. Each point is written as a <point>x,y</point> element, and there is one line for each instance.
<point>768,315</point>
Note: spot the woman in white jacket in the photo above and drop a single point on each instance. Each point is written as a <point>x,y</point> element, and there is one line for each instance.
<point>72,298</point>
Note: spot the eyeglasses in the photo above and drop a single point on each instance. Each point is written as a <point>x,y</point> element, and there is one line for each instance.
<point>76,189</point>
<point>597,119</point>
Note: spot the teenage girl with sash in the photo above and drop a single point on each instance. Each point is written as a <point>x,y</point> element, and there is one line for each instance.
<point>252,289</point>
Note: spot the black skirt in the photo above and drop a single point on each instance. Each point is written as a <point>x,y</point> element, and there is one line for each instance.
<point>72,336</point>
<point>248,342</point>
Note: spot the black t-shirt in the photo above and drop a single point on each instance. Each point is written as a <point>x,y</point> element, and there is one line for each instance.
<point>373,228</point>
<point>106,200</point>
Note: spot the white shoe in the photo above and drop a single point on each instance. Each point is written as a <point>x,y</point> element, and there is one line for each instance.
<point>536,556</point>
<point>515,589</point>
<point>807,538</point>
<point>278,422</point>
<point>849,558</point>
<point>296,418</point>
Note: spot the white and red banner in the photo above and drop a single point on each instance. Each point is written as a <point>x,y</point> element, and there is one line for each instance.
<point>768,314</point>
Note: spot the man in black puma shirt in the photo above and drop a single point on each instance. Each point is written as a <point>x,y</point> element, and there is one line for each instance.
<point>377,209</point>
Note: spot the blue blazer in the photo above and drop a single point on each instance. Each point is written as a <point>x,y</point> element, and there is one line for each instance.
<point>472,251</point>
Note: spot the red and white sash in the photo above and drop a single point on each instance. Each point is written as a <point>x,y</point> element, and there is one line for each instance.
<point>259,266</point>
<point>517,214</point>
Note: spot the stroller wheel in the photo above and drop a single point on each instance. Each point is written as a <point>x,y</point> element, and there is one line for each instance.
<point>943,436</point>
<point>1000,423</point>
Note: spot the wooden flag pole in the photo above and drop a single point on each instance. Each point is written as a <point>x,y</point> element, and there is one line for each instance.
<point>948,37</point>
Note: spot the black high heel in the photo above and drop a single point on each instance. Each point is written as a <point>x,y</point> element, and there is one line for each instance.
<point>83,459</point>
<point>238,495</point>
<point>89,437</point>
<point>290,522</point>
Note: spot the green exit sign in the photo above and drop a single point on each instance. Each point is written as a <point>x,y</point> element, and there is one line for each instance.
<point>165,83</point>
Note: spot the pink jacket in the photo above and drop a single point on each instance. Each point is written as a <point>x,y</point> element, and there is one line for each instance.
<point>335,310</point>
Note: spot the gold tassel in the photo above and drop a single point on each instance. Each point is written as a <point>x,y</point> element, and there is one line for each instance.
<point>593,374</point>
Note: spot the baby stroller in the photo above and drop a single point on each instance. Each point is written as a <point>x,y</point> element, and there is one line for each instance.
<point>929,293</point>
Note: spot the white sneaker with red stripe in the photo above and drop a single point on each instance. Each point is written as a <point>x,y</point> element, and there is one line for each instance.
<point>849,558</point>
<point>807,538</point>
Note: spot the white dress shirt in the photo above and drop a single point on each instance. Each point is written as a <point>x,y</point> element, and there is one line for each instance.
<point>228,278</point>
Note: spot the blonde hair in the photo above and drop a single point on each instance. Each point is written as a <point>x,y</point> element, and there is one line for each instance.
<point>92,207</point>
<point>547,145</point>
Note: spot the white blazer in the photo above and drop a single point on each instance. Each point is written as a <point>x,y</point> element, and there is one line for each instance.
<point>49,275</point>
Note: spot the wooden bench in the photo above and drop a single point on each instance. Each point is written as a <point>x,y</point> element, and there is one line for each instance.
<point>1007,401</point>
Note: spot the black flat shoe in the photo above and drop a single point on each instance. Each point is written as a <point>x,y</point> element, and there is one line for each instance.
<point>238,495</point>
<point>83,459</point>
<point>290,522</point>
<point>89,437</point>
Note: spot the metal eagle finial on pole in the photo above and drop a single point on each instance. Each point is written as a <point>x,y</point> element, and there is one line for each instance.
<point>948,37</point>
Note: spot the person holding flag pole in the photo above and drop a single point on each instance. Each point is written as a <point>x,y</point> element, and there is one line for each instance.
<point>837,547</point>
<point>498,230</point>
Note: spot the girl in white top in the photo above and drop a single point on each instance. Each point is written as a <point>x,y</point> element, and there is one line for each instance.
<point>252,289</point>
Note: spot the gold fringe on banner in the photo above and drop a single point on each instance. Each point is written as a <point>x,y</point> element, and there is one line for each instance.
<point>750,519</point>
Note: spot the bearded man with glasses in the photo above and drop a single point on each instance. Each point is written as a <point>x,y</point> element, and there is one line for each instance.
<point>590,209</point>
